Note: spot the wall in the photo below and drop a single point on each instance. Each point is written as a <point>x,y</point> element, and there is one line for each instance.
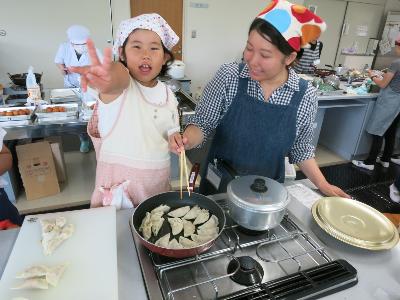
<point>221,35</point>
<point>33,39</point>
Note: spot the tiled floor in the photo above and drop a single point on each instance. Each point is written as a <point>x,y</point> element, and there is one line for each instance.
<point>370,187</point>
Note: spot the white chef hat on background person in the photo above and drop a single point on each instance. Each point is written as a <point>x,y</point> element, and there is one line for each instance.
<point>78,34</point>
<point>153,22</point>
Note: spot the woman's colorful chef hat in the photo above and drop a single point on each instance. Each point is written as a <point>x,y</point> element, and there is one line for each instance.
<point>153,22</point>
<point>297,24</point>
<point>78,34</point>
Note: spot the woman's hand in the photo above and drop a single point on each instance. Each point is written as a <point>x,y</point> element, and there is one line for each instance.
<point>177,142</point>
<point>332,190</point>
<point>99,74</point>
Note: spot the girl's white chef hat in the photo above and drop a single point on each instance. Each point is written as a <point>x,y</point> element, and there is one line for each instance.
<point>78,34</point>
<point>153,22</point>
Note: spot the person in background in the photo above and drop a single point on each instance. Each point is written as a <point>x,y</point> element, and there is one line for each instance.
<point>308,58</point>
<point>261,110</point>
<point>135,111</point>
<point>9,216</point>
<point>385,116</point>
<point>74,53</point>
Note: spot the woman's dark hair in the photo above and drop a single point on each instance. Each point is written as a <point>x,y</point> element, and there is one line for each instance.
<point>165,66</point>
<point>271,34</point>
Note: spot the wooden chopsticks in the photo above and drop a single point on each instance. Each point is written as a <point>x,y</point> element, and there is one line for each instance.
<point>183,173</point>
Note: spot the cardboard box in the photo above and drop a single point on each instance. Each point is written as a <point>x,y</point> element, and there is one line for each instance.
<point>38,171</point>
<point>58,155</point>
<point>13,186</point>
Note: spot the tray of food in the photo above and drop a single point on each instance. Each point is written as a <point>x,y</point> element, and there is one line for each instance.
<point>15,113</point>
<point>57,110</point>
<point>64,95</point>
<point>87,110</point>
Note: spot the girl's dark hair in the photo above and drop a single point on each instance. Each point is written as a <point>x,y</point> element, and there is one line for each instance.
<point>270,33</point>
<point>165,66</point>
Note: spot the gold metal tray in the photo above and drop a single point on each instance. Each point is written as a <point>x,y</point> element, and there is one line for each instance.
<point>355,223</point>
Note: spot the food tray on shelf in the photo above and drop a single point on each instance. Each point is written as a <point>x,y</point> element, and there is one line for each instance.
<point>87,110</point>
<point>15,113</point>
<point>64,95</point>
<point>57,111</point>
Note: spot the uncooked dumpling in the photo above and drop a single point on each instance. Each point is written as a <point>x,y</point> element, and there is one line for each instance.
<point>180,212</point>
<point>33,283</point>
<point>176,225</point>
<point>187,243</point>
<point>211,223</point>
<point>54,232</point>
<point>162,208</point>
<point>173,244</point>
<point>54,274</point>
<point>188,228</point>
<point>193,213</point>
<point>163,241</point>
<point>145,228</point>
<point>202,217</point>
<point>34,271</point>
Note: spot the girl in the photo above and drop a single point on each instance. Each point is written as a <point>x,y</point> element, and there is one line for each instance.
<point>261,110</point>
<point>130,122</point>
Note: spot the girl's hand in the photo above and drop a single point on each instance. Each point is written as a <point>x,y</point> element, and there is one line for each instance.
<point>332,190</point>
<point>98,74</point>
<point>177,142</point>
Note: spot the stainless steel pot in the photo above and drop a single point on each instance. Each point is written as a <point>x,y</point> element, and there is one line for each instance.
<point>256,202</point>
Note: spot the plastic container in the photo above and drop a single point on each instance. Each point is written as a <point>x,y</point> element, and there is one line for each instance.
<point>32,87</point>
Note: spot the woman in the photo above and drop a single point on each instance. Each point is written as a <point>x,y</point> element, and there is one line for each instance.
<point>308,58</point>
<point>261,110</point>
<point>385,117</point>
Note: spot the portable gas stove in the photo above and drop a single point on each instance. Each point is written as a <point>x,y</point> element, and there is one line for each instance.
<point>282,263</point>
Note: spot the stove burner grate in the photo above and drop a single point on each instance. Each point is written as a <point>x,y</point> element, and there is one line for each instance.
<point>249,273</point>
<point>313,283</point>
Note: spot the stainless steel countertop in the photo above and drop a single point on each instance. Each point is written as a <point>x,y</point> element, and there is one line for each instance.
<point>378,272</point>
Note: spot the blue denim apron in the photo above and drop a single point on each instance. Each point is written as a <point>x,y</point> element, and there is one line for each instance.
<point>253,137</point>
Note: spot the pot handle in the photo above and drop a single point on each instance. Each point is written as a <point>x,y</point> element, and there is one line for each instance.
<point>193,176</point>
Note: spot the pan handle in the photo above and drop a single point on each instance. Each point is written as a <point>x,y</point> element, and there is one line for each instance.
<point>193,176</point>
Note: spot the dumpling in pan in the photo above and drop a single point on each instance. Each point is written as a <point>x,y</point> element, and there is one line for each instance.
<point>162,208</point>
<point>163,241</point>
<point>145,228</point>
<point>188,228</point>
<point>33,283</point>
<point>187,243</point>
<point>180,212</point>
<point>176,225</point>
<point>173,244</point>
<point>201,239</point>
<point>193,213</point>
<point>156,222</point>
<point>208,231</point>
<point>202,217</point>
<point>211,223</point>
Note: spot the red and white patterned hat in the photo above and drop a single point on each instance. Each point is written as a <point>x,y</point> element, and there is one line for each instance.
<point>297,24</point>
<point>153,22</point>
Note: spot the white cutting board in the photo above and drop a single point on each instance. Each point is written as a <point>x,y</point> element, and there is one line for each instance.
<point>91,252</point>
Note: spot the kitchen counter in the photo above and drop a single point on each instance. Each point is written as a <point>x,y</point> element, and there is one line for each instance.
<point>378,272</point>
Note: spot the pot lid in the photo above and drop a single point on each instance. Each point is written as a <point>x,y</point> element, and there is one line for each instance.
<point>258,193</point>
<point>355,223</point>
